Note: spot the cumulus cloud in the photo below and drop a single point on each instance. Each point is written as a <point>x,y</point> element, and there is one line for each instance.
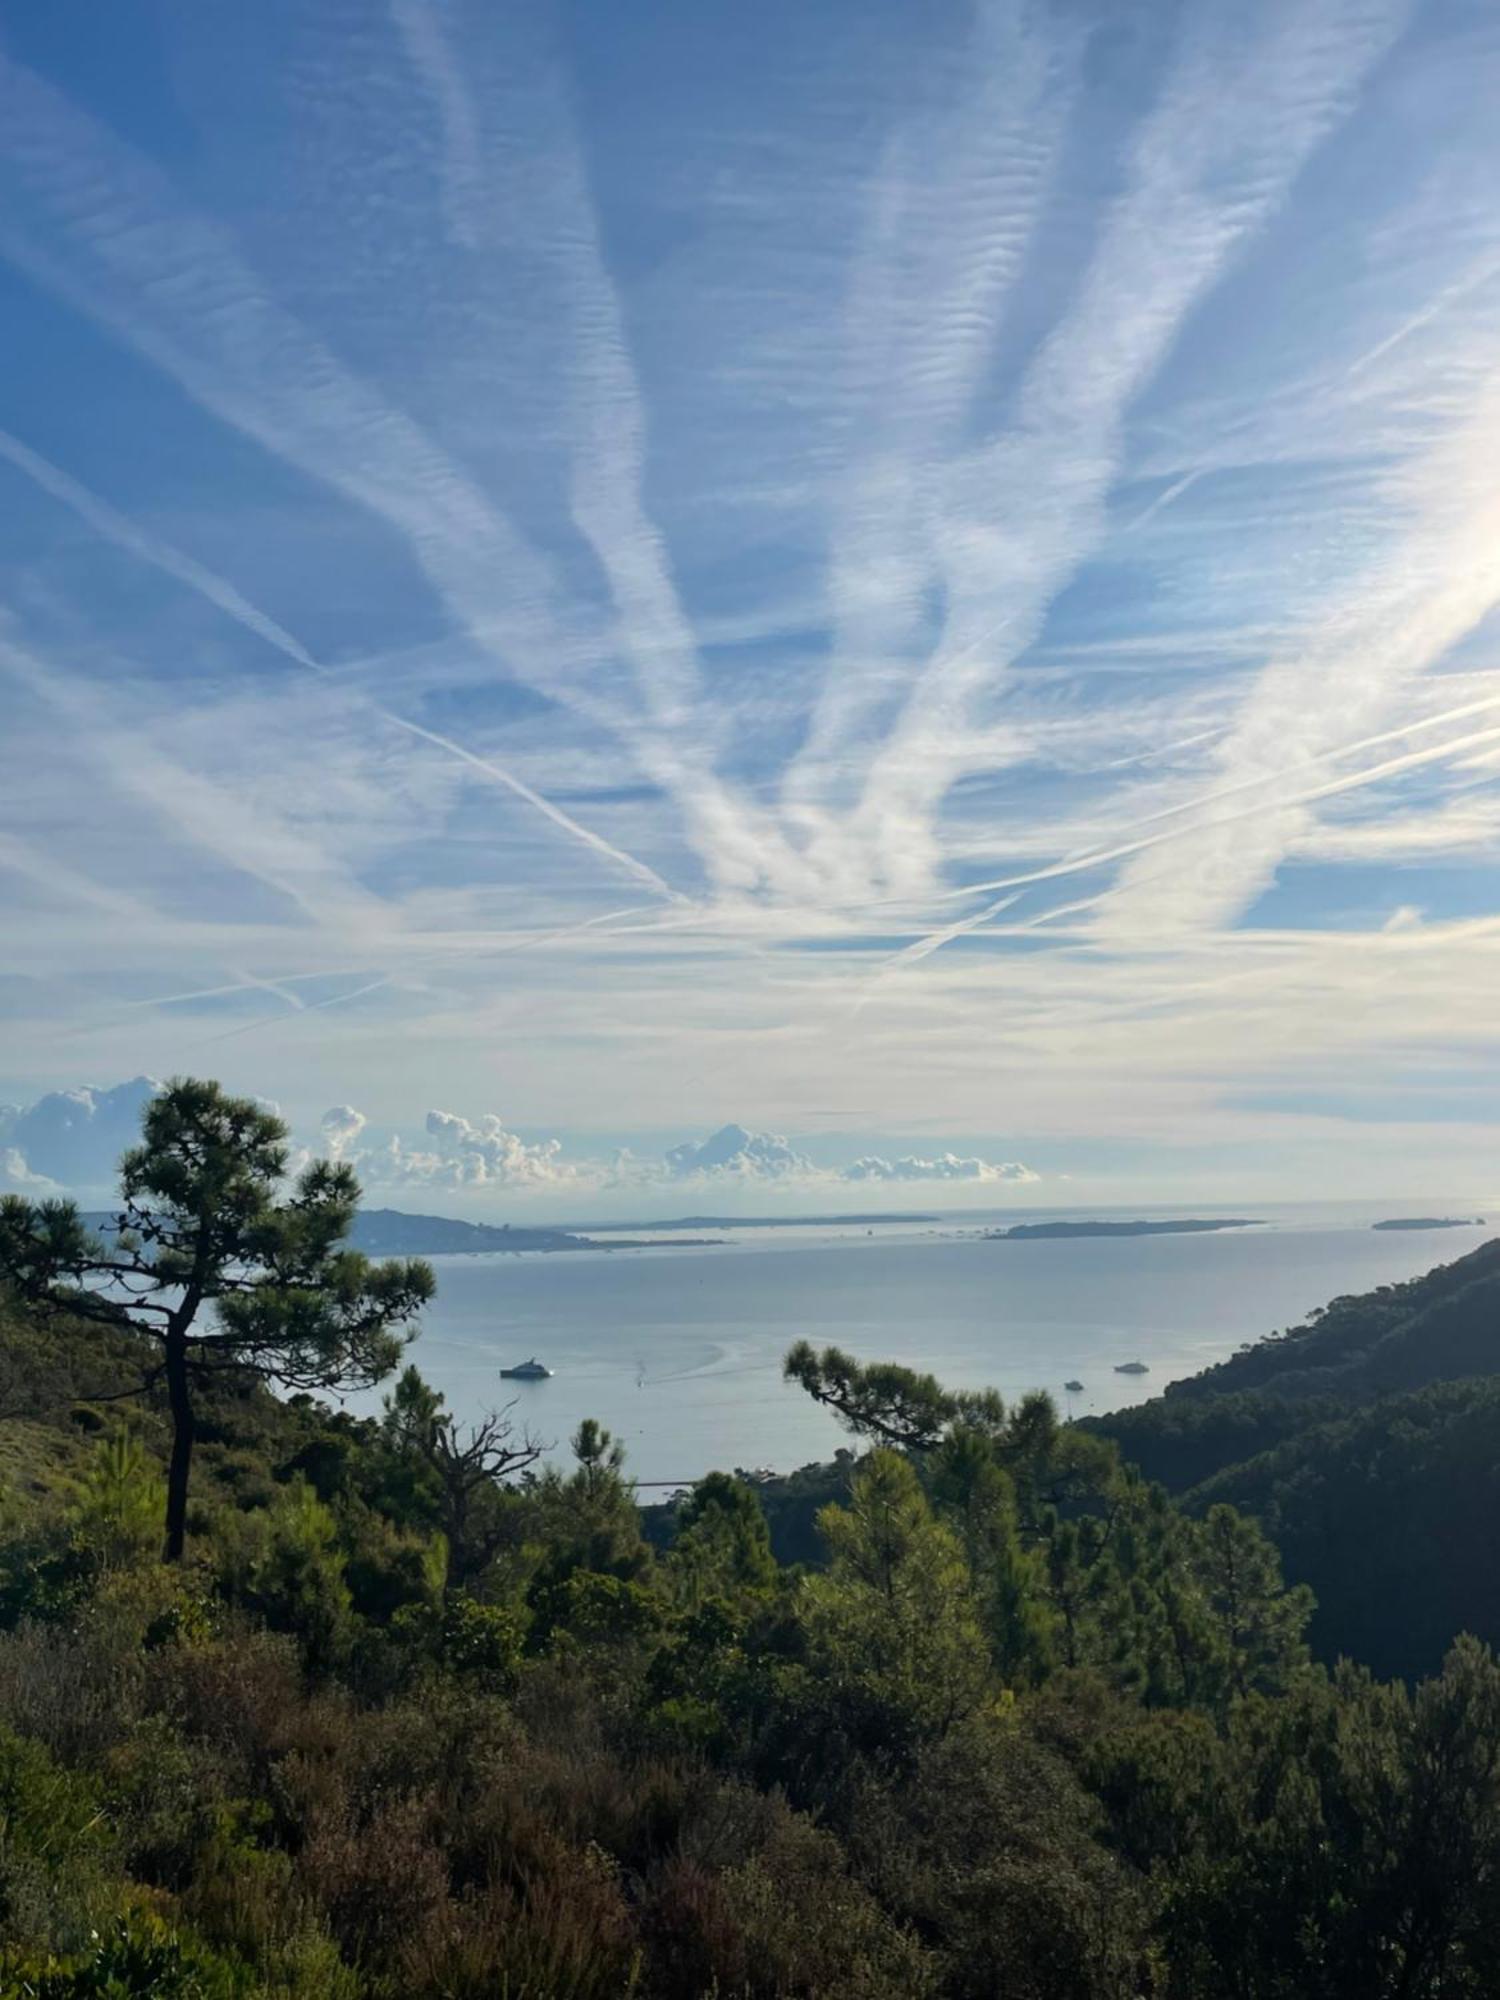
<point>732,1152</point>
<point>72,1138</point>
<point>735,1153</point>
<point>946,1167</point>
<point>457,1152</point>
<point>341,1127</point>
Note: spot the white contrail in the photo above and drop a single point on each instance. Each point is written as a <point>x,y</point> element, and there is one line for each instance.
<point>923,948</point>
<point>58,879</point>
<point>258,843</point>
<point>432,58</point>
<point>270,1020</point>
<point>126,534</point>
<point>116,242</point>
<point>952,215</point>
<point>1174,492</point>
<point>241,985</point>
<point>522,790</point>
<point>935,940</point>
<point>607,421</point>
<point>279,988</point>
<point>1446,299</point>
<point>1431,585</point>
<point>1371,775</point>
<point>538,941</point>
<point>1072,864</point>
<point>1211,163</point>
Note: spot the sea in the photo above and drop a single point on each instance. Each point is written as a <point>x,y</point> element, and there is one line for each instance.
<point>678,1350</point>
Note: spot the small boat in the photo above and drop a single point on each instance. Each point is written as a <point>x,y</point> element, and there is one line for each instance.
<point>1073,1388</point>
<point>526,1371</point>
<point>1131,1368</point>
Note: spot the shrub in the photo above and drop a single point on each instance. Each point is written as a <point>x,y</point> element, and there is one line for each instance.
<point>136,1958</point>
<point>55,1847</point>
<point>285,1565</point>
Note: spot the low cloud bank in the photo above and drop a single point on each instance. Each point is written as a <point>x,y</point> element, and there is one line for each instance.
<point>459,1153</point>
<point>484,1152</point>
<point>73,1140</point>
<point>946,1167</point>
<point>734,1152</point>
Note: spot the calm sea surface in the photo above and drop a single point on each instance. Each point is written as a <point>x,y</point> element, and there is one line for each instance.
<point>679,1351</point>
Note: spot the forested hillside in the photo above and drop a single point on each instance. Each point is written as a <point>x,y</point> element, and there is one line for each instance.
<point>1367,1444</point>
<point>1392,1515</point>
<point>1436,1328</point>
<point>408,1713</point>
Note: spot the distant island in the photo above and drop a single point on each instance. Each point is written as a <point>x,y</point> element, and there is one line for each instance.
<point>1431,1222</point>
<point>1189,1226</point>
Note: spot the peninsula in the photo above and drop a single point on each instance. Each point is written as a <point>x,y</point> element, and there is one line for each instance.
<point>394,1232</point>
<point>391,1232</point>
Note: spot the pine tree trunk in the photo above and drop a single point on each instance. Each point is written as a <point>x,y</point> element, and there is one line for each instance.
<point>182,1447</point>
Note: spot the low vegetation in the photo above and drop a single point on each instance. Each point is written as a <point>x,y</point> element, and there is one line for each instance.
<point>415,1714</point>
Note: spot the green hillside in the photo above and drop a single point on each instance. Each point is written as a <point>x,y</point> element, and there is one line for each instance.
<point>1367,1444</point>
<point>412,1717</point>
<point>1436,1328</point>
<point>1392,1515</point>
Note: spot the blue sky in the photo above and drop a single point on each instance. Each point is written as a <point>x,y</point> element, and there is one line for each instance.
<point>920,579</point>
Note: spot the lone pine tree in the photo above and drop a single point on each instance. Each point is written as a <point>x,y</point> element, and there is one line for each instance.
<point>222,1263</point>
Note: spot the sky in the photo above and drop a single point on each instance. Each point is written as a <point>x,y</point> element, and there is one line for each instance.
<point>793,603</point>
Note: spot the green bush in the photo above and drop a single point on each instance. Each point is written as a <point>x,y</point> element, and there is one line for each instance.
<point>56,1848</point>
<point>136,1958</point>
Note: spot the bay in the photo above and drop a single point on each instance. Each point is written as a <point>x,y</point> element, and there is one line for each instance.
<point>679,1350</point>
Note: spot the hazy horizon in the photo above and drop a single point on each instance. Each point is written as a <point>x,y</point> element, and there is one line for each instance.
<point>68,1143</point>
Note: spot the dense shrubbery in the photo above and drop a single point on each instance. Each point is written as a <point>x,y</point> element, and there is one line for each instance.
<point>419,1717</point>
<point>1025,1728</point>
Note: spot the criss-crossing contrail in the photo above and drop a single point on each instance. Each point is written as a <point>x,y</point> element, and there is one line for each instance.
<point>1370,775</point>
<point>316,1007</point>
<point>127,535</point>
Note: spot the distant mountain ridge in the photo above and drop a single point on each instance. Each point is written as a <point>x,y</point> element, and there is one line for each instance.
<point>1021,1232</point>
<point>395,1232</point>
<point>763,1221</point>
